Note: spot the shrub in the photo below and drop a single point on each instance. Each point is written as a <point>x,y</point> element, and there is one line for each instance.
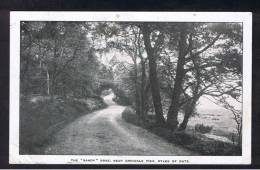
<point>183,138</point>
<point>122,96</point>
<point>88,104</point>
<point>130,116</point>
<point>203,128</point>
<point>160,131</point>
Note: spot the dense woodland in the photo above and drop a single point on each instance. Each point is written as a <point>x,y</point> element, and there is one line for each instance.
<point>167,68</point>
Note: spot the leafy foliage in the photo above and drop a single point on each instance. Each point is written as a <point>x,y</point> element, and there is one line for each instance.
<point>57,56</point>
<point>203,128</point>
<point>160,69</point>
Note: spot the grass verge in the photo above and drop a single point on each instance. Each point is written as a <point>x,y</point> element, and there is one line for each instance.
<point>190,139</point>
<point>40,119</point>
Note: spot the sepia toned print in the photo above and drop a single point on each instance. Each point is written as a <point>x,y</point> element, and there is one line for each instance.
<point>126,88</point>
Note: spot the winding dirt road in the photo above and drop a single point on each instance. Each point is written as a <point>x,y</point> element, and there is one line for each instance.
<point>104,132</point>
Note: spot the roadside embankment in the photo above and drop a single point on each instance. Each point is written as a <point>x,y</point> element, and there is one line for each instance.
<point>203,144</point>
<point>41,117</point>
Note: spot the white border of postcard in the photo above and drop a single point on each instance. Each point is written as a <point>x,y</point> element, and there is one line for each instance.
<point>16,17</point>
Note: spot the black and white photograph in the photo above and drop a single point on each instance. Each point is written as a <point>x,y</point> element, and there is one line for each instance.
<point>130,88</point>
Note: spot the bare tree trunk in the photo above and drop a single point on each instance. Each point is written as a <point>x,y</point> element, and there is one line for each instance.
<point>192,104</point>
<point>188,113</point>
<point>137,95</point>
<point>153,76</point>
<point>172,116</point>
<point>48,83</point>
<point>143,78</point>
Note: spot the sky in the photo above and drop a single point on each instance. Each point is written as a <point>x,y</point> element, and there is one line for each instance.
<point>107,56</point>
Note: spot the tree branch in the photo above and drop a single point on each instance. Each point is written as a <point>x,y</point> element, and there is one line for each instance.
<point>205,48</point>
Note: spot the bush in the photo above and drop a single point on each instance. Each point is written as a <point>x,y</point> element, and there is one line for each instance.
<point>161,131</point>
<point>122,97</point>
<point>88,104</point>
<point>130,116</point>
<point>206,146</point>
<point>203,128</point>
<point>183,138</point>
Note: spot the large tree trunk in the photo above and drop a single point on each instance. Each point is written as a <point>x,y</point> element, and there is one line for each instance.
<point>153,76</point>
<point>143,78</point>
<point>172,116</point>
<point>147,96</point>
<point>137,95</point>
<point>188,112</point>
<point>196,95</point>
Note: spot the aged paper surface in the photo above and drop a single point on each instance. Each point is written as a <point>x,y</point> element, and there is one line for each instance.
<point>75,77</point>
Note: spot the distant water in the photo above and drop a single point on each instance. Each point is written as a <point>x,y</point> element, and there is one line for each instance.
<point>220,119</point>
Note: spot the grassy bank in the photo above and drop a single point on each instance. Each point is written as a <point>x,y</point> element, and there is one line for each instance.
<point>41,117</point>
<point>190,138</point>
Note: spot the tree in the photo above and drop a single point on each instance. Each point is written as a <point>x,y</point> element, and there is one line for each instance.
<point>174,107</point>
<point>196,51</point>
<point>58,57</point>
<point>237,116</point>
<point>153,74</point>
<point>127,38</point>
